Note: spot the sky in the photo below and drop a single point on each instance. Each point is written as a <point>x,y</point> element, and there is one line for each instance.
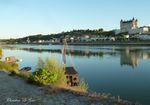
<point>20,18</point>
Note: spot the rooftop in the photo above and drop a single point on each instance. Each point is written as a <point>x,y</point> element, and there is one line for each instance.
<point>70,70</point>
<point>128,21</point>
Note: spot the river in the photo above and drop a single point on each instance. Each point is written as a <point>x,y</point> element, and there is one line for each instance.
<point>120,70</point>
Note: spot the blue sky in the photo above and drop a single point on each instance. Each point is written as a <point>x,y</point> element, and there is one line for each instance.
<point>20,18</point>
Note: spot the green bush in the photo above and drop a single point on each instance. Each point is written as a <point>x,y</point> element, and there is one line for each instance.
<point>44,77</point>
<point>47,73</point>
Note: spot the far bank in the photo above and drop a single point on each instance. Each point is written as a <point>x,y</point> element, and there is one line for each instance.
<point>135,43</point>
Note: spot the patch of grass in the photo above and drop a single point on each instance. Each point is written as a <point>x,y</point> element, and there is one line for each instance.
<point>82,88</point>
<point>12,68</point>
<point>24,74</point>
<point>1,52</point>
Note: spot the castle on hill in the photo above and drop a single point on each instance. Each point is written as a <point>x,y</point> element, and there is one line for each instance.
<point>131,27</point>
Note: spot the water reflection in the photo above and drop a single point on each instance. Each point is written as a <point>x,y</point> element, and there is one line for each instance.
<point>72,52</point>
<point>129,56</point>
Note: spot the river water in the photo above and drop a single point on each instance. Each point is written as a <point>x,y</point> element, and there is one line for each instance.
<point>120,70</point>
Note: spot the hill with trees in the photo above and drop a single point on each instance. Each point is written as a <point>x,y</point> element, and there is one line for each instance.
<point>73,33</point>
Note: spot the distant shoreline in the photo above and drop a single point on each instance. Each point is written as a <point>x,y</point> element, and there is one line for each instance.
<point>118,43</point>
<point>141,43</point>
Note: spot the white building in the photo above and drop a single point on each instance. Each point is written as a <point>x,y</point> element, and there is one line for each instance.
<point>85,38</point>
<point>140,30</point>
<point>131,27</point>
<point>143,37</point>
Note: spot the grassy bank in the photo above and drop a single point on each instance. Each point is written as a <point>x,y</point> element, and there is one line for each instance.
<point>51,73</point>
<point>50,76</point>
<point>48,73</point>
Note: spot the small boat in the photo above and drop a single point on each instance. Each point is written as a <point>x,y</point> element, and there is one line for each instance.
<point>25,69</point>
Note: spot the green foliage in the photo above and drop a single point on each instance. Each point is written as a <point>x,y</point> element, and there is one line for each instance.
<point>121,38</point>
<point>77,33</point>
<point>44,77</point>
<point>9,67</point>
<point>1,52</point>
<point>124,33</point>
<point>47,73</point>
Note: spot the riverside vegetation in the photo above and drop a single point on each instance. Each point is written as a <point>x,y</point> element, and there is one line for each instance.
<point>1,53</point>
<point>47,73</point>
<point>12,68</point>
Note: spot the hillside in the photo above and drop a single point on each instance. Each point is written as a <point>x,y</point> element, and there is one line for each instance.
<point>73,33</point>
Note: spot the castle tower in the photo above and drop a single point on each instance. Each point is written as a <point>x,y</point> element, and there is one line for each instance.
<point>134,23</point>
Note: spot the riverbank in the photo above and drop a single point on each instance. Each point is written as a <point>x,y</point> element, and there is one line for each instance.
<point>15,91</point>
<point>120,43</point>
<point>134,43</point>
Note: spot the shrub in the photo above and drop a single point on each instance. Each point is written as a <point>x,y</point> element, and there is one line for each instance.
<point>44,77</point>
<point>47,73</point>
